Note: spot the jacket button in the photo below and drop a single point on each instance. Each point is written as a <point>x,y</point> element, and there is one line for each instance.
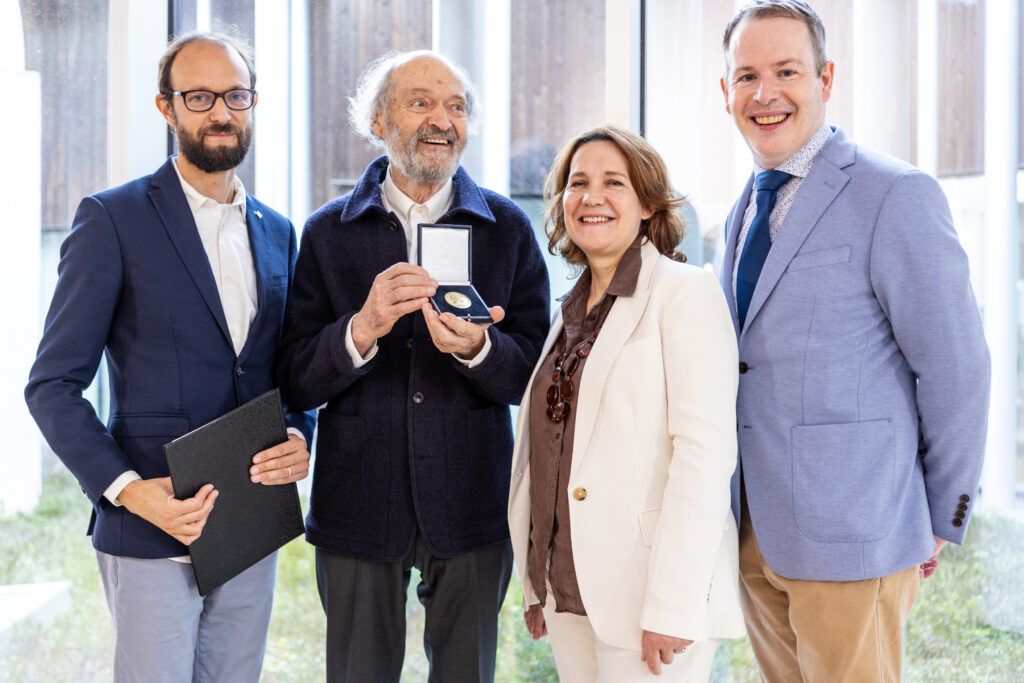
<point>239,371</point>
<point>960,514</point>
<point>394,226</point>
<point>417,397</point>
<point>961,506</point>
<point>958,522</point>
<point>964,498</point>
<point>743,368</point>
<point>408,343</point>
<point>580,493</point>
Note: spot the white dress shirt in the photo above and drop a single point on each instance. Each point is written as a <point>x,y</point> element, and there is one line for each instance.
<point>411,214</point>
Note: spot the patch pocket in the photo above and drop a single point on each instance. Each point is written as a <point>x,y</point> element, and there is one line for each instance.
<point>649,525</point>
<point>843,478</point>
<point>820,258</point>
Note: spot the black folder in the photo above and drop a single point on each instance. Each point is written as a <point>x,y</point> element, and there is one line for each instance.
<point>248,521</point>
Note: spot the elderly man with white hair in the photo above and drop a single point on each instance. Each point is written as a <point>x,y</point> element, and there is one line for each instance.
<point>415,442</point>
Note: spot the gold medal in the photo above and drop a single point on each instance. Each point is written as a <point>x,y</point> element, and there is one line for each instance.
<point>457,299</point>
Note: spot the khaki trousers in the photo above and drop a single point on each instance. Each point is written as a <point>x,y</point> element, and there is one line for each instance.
<point>834,631</point>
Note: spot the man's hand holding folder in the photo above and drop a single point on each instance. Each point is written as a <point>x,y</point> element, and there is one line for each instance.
<point>154,501</point>
<point>281,464</point>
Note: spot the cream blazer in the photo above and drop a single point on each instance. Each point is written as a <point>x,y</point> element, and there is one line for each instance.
<point>653,538</point>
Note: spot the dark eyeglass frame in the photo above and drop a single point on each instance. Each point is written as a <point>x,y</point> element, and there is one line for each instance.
<point>562,391</point>
<point>222,95</point>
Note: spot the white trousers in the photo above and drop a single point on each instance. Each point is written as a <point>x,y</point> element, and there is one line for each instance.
<point>582,657</point>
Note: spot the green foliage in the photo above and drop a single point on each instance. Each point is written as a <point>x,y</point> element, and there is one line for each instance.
<point>961,628</point>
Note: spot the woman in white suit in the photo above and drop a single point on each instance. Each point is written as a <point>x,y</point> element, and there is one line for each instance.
<point>626,439</point>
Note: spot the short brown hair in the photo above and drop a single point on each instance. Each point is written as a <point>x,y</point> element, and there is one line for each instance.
<point>786,9</point>
<point>647,174</point>
<point>226,40</point>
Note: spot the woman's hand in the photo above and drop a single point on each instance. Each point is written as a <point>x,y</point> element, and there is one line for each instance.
<point>658,648</point>
<point>535,624</point>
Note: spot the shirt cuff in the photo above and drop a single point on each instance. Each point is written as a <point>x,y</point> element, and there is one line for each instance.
<point>350,346</point>
<point>115,488</point>
<point>296,432</point>
<point>478,358</point>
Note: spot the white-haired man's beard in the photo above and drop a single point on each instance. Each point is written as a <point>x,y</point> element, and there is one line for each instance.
<point>425,162</point>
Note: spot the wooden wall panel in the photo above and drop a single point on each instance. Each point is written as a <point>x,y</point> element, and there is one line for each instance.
<point>66,42</point>
<point>345,36</point>
<point>961,87</point>
<point>558,67</point>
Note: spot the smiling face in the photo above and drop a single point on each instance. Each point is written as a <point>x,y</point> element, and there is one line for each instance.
<point>773,91</point>
<point>218,139</point>
<point>601,208</point>
<point>424,126</point>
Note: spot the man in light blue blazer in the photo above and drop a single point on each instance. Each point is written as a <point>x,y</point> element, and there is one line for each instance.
<point>864,374</point>
<point>180,279</point>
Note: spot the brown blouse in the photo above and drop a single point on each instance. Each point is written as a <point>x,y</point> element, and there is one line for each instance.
<point>550,554</point>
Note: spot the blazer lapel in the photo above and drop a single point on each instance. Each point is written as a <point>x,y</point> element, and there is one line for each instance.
<point>732,230</point>
<point>825,181</point>
<point>169,201</point>
<point>258,247</point>
<point>618,327</point>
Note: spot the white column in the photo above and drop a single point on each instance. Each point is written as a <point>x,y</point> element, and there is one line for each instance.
<point>272,118</point>
<point>301,166</point>
<point>882,74</point>
<point>477,37</point>
<point>927,86</point>
<point>622,63</point>
<point>20,457</point>
<point>1002,242</point>
<point>137,133</point>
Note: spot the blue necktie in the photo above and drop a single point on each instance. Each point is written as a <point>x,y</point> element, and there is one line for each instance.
<point>759,240</point>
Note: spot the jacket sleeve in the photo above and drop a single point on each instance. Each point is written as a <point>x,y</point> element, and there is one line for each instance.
<point>75,333</point>
<point>701,378</point>
<point>919,273</point>
<point>304,421</point>
<point>516,341</point>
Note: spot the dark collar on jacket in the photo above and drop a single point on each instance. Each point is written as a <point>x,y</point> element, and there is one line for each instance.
<point>467,197</point>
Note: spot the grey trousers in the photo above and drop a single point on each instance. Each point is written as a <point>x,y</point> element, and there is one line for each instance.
<point>166,632</point>
<point>365,605</point>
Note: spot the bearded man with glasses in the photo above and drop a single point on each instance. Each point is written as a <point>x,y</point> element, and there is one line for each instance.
<point>180,278</point>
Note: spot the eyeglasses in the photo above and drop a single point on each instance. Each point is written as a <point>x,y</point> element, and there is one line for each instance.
<point>562,390</point>
<point>203,100</point>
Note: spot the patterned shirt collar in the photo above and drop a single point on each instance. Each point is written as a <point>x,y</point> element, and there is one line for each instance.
<point>800,163</point>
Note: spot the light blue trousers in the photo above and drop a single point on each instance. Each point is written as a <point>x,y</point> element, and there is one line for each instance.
<point>166,632</point>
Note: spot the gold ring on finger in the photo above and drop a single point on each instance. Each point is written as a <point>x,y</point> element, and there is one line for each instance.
<point>289,472</point>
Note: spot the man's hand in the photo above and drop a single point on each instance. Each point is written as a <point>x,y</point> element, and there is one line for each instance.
<point>454,335</point>
<point>399,290</point>
<point>535,623</point>
<point>154,501</point>
<point>929,566</point>
<point>282,464</point>
<point>658,648</point>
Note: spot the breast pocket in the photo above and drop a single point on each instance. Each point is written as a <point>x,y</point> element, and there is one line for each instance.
<point>821,258</point>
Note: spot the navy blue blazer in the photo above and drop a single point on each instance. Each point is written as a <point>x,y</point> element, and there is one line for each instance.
<point>413,437</point>
<point>864,374</point>
<point>135,282</point>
